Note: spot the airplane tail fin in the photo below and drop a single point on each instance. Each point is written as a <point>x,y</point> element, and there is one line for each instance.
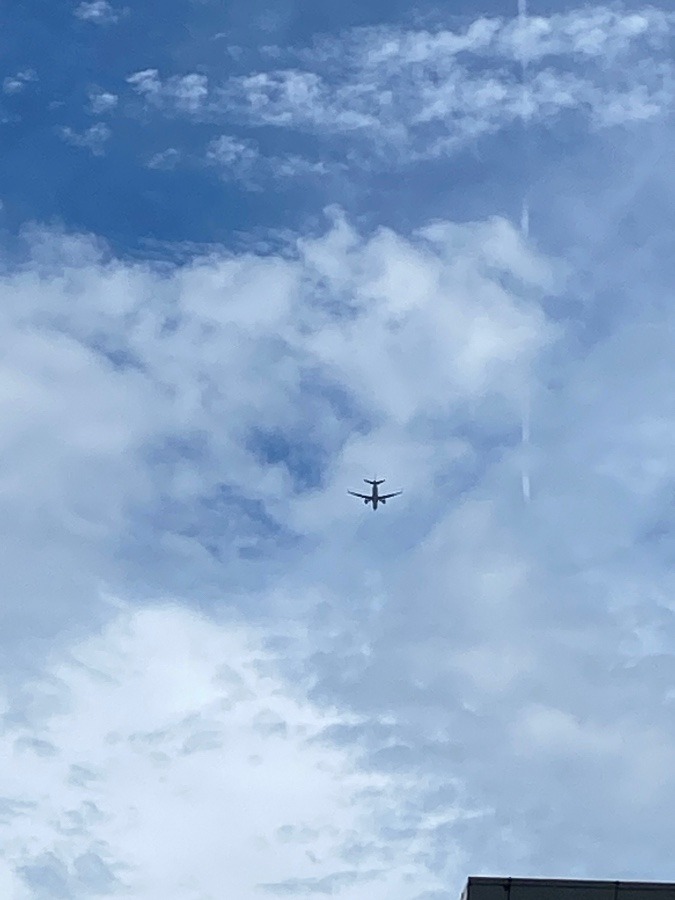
<point>368,481</point>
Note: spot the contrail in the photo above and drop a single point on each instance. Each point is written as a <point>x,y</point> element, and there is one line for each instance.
<point>526,413</point>
<point>525,231</point>
<point>525,217</point>
<point>525,444</point>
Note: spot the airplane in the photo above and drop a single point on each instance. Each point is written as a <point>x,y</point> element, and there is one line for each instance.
<point>374,498</point>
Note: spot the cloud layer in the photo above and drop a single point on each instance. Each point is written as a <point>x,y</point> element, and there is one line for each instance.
<point>401,95</point>
<point>173,409</point>
<point>164,759</point>
<point>289,691</point>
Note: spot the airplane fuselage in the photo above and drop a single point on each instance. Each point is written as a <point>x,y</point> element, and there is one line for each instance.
<point>374,496</point>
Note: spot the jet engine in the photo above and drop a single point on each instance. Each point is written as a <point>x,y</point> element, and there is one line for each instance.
<point>383,502</point>
<point>366,501</point>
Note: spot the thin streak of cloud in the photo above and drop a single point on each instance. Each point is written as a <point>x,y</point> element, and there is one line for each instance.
<point>165,160</point>
<point>403,95</point>
<point>241,161</point>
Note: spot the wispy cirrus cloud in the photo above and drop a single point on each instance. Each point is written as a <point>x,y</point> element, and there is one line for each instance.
<point>429,93</point>
<point>404,94</point>
<point>165,159</point>
<point>476,678</point>
<point>186,93</point>
<point>93,138</point>
<point>241,161</point>
<point>598,32</point>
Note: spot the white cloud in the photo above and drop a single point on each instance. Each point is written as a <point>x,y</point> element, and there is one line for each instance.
<point>235,160</point>
<point>189,92</point>
<point>93,138</point>
<point>293,98</point>
<point>435,341</point>
<point>503,663</point>
<point>599,31</point>
<point>294,166</point>
<point>594,31</point>
<point>419,94</point>
<point>14,84</point>
<point>118,366</point>
<point>392,95</point>
<point>186,93</point>
<point>145,82</point>
<point>241,160</point>
<point>101,102</point>
<point>98,11</point>
<point>165,159</point>
<point>164,759</point>
<point>227,151</point>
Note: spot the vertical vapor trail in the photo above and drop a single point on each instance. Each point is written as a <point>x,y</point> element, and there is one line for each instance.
<point>525,444</point>
<point>525,231</point>
<point>525,217</point>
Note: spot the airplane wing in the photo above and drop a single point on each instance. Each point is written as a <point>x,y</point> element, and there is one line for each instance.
<point>387,496</point>
<point>362,496</point>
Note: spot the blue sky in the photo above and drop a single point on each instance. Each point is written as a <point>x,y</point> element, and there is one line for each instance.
<point>250,255</point>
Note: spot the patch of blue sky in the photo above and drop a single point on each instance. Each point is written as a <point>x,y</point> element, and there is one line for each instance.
<point>115,193</point>
<point>218,508</point>
<point>112,348</point>
<point>355,418</point>
<point>221,513</point>
<point>330,416</point>
<point>303,460</point>
<point>47,876</point>
<point>191,447</point>
<point>222,542</point>
<point>118,196</point>
<point>287,22</point>
<point>11,807</point>
<point>44,178</point>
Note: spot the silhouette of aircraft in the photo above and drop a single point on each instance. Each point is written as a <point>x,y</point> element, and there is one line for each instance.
<point>375,497</point>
